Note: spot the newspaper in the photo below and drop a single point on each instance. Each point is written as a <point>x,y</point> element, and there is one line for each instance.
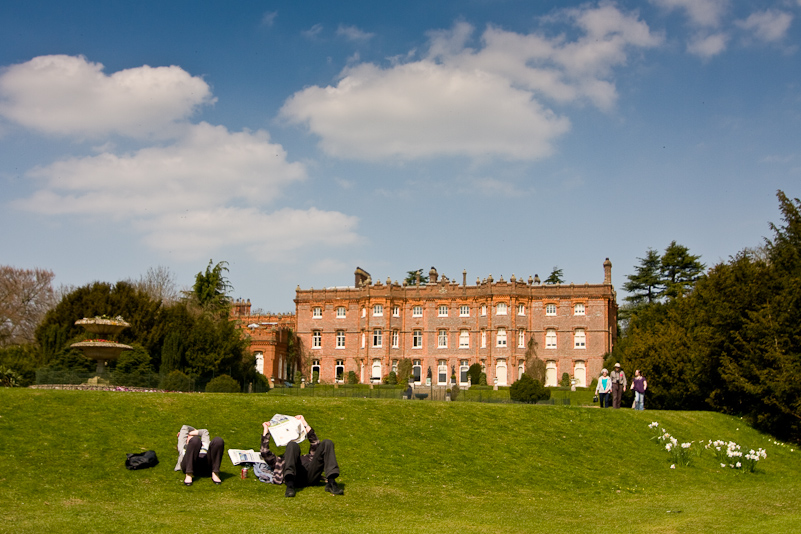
<point>285,428</point>
<point>241,456</point>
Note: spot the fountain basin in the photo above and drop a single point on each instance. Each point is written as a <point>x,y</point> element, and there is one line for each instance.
<point>96,325</point>
<point>101,350</point>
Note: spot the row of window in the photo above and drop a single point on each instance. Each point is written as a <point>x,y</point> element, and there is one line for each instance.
<point>443,310</point>
<point>579,371</point>
<point>579,339</point>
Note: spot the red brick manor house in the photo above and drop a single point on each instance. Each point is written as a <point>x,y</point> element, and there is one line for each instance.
<point>443,326</point>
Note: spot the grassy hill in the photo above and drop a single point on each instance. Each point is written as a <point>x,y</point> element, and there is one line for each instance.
<point>406,467</point>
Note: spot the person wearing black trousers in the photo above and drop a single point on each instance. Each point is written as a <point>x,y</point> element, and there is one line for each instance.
<point>199,456</point>
<point>297,471</point>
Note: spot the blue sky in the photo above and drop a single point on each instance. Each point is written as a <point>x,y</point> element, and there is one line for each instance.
<point>298,140</point>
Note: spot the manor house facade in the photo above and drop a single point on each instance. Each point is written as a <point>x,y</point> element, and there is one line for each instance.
<point>444,327</point>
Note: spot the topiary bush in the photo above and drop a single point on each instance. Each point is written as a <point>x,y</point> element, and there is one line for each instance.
<point>176,381</point>
<point>529,390</point>
<point>261,384</point>
<point>223,384</point>
<point>565,382</point>
<point>474,372</point>
<point>404,370</point>
<point>392,378</point>
<point>454,391</point>
<point>482,379</point>
<point>352,378</point>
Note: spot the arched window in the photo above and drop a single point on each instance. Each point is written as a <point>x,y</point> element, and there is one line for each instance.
<point>500,372</point>
<point>339,371</point>
<point>376,375</point>
<point>260,363</point>
<point>580,373</point>
<point>550,373</point>
<point>463,367</point>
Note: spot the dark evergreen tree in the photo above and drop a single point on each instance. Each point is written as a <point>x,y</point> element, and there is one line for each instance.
<point>528,390</point>
<point>211,288</point>
<point>556,276</point>
<point>680,270</point>
<point>411,277</point>
<point>644,286</point>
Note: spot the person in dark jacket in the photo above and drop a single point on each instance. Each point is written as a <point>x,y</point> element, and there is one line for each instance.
<point>297,471</point>
<point>618,385</point>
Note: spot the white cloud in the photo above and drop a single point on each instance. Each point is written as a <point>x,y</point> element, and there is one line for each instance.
<point>706,46</point>
<point>352,33</point>
<point>423,109</point>
<point>68,95</point>
<point>203,192</point>
<point>268,19</point>
<point>269,237</point>
<point>472,102</point>
<point>206,167</point>
<point>313,32</point>
<point>706,13</point>
<point>768,26</point>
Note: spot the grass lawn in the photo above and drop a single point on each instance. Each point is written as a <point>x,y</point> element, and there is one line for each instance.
<point>406,467</point>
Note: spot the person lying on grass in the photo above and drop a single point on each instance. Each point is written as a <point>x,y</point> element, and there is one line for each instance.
<point>196,454</point>
<point>296,471</point>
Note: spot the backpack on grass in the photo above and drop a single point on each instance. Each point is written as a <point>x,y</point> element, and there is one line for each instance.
<point>141,460</point>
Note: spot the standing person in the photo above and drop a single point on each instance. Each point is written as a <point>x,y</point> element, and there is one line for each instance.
<point>618,385</point>
<point>639,385</point>
<point>198,455</point>
<point>603,388</point>
<point>296,471</point>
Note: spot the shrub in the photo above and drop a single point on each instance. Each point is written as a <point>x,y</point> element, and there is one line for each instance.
<point>529,390</point>
<point>23,361</point>
<point>316,377</point>
<point>392,378</point>
<point>352,378</point>
<point>474,372</point>
<point>223,384</point>
<point>176,381</point>
<point>404,370</point>
<point>482,379</point>
<point>593,384</point>
<point>261,384</point>
<point>454,391</point>
<point>8,378</point>
<point>565,382</point>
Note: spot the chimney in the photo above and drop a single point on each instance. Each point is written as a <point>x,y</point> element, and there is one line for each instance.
<point>361,276</point>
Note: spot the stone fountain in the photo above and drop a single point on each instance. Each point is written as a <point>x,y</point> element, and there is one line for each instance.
<point>101,349</point>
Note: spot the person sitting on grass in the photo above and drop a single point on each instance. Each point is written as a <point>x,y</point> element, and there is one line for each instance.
<point>296,471</point>
<point>198,455</point>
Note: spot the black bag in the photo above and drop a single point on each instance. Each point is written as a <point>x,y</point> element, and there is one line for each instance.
<point>141,460</point>
<point>595,398</point>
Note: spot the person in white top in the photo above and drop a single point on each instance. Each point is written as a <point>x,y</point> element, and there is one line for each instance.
<point>604,388</point>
